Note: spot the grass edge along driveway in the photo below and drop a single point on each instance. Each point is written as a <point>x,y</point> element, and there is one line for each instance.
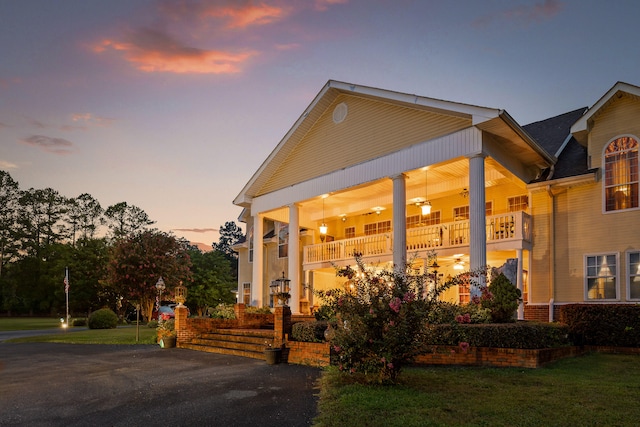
<point>591,390</point>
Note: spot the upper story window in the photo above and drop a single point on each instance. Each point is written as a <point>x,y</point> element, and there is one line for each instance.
<point>283,240</point>
<point>377,228</point>
<point>349,232</point>
<point>518,203</point>
<point>621,174</point>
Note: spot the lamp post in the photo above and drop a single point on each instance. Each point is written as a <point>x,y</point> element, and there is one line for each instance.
<point>160,286</point>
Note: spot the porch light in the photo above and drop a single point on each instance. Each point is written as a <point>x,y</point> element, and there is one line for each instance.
<point>425,206</point>
<point>323,226</point>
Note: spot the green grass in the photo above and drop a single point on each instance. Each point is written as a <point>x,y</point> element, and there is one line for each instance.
<point>78,334</point>
<point>592,390</point>
<point>28,323</point>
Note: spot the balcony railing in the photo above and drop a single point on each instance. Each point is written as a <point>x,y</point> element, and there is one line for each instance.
<point>515,226</point>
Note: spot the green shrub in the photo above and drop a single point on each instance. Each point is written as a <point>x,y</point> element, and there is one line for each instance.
<point>222,311</point>
<point>309,331</point>
<point>501,299</point>
<point>80,321</point>
<point>615,325</point>
<point>152,323</point>
<point>103,319</point>
<point>257,310</point>
<point>524,335</point>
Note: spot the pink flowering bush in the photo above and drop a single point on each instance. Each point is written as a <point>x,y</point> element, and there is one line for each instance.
<point>380,322</point>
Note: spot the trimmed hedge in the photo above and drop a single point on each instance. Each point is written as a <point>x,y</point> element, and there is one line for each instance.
<point>616,325</point>
<point>523,335</point>
<point>103,319</point>
<point>309,331</point>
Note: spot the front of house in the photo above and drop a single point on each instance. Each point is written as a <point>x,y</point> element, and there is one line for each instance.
<point>396,177</point>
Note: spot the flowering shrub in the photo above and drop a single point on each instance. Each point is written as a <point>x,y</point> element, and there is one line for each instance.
<point>501,298</point>
<point>380,319</point>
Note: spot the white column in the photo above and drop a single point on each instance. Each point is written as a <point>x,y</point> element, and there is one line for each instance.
<point>520,286</point>
<point>477,219</point>
<point>258,261</point>
<point>294,257</point>
<point>399,222</point>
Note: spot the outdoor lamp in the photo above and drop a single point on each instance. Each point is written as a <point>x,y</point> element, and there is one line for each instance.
<point>181,294</point>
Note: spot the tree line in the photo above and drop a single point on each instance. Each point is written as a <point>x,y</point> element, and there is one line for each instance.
<point>113,256</point>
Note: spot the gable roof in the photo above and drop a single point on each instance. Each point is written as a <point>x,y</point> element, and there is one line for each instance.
<point>581,127</point>
<point>491,120</point>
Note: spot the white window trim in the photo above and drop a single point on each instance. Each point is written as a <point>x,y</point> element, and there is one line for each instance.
<point>628,273</point>
<point>603,188</point>
<point>585,284</point>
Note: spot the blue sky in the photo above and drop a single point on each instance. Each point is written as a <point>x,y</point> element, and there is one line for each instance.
<point>172,105</point>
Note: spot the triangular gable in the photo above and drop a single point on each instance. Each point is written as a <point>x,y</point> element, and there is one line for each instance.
<point>323,104</point>
<point>582,126</point>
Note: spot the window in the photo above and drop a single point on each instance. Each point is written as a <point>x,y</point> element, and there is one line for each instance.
<point>283,240</point>
<point>250,235</point>
<point>464,293</point>
<point>413,221</point>
<point>517,203</point>
<point>621,174</point>
<point>349,232</point>
<point>461,213</point>
<point>633,265</point>
<point>601,275</point>
<point>246,293</point>
<point>488,208</point>
<point>423,220</point>
<point>377,227</point>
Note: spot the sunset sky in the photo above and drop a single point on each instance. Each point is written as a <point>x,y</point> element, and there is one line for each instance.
<point>172,105</point>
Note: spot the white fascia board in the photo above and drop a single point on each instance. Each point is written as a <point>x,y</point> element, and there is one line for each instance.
<point>241,198</point>
<point>462,143</point>
<point>582,123</point>
<point>570,181</point>
<point>456,108</point>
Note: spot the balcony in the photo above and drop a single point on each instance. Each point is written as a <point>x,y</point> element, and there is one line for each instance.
<point>508,231</point>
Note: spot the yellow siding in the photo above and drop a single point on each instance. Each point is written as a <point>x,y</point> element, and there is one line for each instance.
<point>621,117</point>
<point>540,262</point>
<point>370,130</point>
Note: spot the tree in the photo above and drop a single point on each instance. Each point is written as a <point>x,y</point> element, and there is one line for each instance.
<point>140,259</point>
<point>213,280</point>
<point>124,219</point>
<point>84,215</point>
<point>230,234</point>
<point>9,196</point>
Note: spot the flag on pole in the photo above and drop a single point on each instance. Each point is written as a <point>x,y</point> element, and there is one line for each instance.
<point>66,280</point>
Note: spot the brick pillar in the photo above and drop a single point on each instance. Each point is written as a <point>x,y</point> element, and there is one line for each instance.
<point>281,325</point>
<point>239,310</point>
<point>181,322</point>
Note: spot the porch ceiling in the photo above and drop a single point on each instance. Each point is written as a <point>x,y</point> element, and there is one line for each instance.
<point>444,180</point>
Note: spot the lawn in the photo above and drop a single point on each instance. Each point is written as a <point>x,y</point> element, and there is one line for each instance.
<point>28,323</point>
<point>78,334</point>
<point>592,390</point>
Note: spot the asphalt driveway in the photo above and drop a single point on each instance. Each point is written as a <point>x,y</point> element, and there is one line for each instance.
<point>45,384</point>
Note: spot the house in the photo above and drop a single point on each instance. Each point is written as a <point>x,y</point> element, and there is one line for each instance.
<point>395,176</point>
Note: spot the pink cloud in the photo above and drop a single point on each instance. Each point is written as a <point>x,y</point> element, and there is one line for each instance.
<point>525,14</point>
<point>91,119</point>
<point>323,5</point>
<point>196,230</point>
<point>50,145</point>
<point>152,50</point>
<point>247,15</point>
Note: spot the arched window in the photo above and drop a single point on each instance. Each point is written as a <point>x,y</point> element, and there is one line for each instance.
<point>621,174</point>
